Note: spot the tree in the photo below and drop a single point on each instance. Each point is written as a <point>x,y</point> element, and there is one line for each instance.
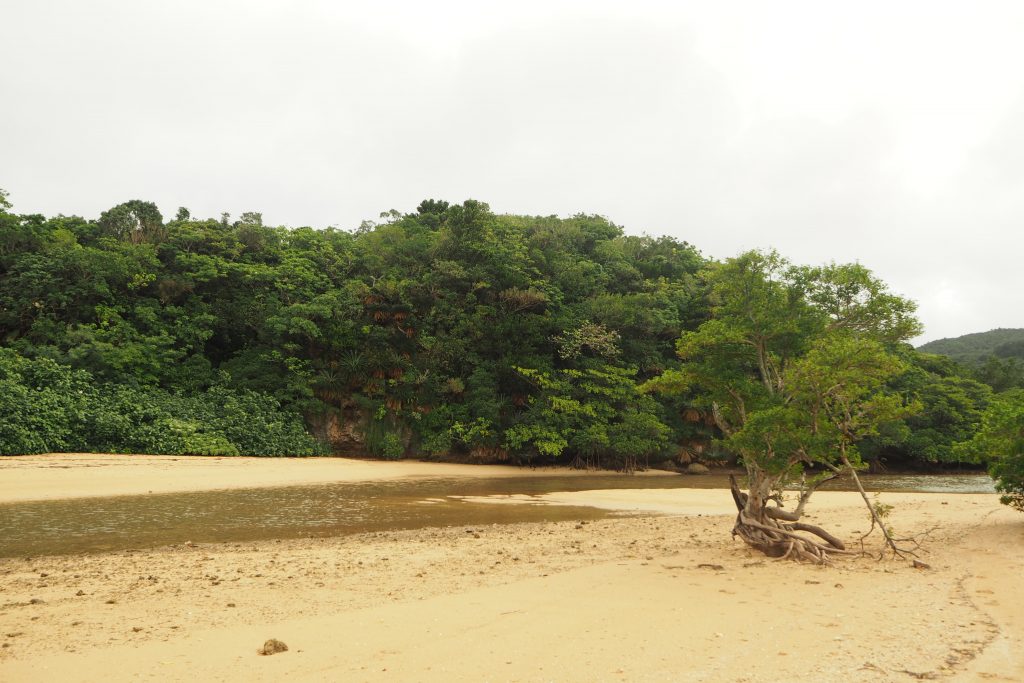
<point>1001,440</point>
<point>595,413</point>
<point>135,221</point>
<point>1001,373</point>
<point>792,365</point>
<point>951,406</point>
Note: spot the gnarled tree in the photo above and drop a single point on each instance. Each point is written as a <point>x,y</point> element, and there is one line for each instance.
<point>792,364</point>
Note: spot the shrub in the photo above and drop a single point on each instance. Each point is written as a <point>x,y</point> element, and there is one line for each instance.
<point>41,403</point>
<point>391,447</point>
<point>48,407</point>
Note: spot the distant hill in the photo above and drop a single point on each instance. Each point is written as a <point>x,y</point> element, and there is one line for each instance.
<point>972,349</point>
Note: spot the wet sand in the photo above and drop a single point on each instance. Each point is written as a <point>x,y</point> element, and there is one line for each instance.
<point>642,598</point>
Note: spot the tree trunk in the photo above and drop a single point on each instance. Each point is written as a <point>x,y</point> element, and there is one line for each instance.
<point>773,531</point>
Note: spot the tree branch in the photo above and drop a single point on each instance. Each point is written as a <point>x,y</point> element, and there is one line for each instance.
<point>875,519</point>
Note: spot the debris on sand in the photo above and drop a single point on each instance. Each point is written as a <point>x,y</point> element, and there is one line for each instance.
<point>272,647</point>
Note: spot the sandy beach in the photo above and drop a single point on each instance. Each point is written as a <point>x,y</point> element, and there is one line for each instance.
<point>79,475</point>
<point>662,595</point>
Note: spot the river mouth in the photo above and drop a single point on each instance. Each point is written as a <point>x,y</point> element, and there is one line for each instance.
<point>88,525</point>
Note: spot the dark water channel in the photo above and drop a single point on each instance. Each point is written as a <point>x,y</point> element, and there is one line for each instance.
<point>131,522</point>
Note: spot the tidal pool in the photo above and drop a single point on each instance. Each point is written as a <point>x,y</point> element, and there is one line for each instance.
<point>129,522</point>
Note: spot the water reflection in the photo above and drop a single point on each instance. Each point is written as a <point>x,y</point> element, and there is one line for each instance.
<point>119,523</point>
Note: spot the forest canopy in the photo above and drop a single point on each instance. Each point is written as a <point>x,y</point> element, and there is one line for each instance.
<point>976,348</point>
<point>446,332</point>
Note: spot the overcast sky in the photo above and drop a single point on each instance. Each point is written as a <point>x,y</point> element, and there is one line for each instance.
<point>890,133</point>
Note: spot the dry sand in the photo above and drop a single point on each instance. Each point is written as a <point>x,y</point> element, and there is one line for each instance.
<point>78,475</point>
<point>643,598</point>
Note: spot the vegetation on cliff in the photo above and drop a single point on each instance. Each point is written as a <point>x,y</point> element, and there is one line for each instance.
<point>448,332</point>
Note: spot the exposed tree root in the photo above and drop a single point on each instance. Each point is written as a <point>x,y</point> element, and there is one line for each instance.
<point>776,535</point>
<point>779,539</point>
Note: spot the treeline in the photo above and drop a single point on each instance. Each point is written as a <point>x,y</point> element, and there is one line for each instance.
<point>448,332</point>
<point>976,348</point>
<point>995,357</point>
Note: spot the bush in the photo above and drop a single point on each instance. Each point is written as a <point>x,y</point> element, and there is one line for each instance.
<point>255,423</point>
<point>48,407</point>
<point>391,447</point>
<point>42,402</point>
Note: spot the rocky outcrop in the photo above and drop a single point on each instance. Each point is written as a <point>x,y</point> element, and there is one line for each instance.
<point>342,428</point>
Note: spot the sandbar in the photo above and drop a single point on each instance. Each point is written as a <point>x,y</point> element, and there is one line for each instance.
<point>664,594</point>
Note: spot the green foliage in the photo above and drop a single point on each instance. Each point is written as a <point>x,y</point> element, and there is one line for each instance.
<point>447,331</point>
<point>598,414</point>
<point>51,408</point>
<point>1001,442</point>
<point>391,447</point>
<point>1002,374</point>
<point>949,404</point>
<point>793,363</point>
<point>974,349</point>
<point>595,338</point>
<point>193,440</point>
<point>135,221</point>
<point>41,404</point>
<point>382,437</point>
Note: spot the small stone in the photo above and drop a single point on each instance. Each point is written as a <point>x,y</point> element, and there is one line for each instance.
<point>272,647</point>
<point>36,601</point>
<point>918,564</point>
<point>111,601</point>
<point>231,604</point>
<point>80,592</point>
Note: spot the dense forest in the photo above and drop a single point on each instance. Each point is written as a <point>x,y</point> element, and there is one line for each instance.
<point>995,357</point>
<point>974,349</point>
<point>448,332</point>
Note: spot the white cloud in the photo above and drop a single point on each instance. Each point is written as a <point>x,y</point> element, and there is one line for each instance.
<point>888,133</point>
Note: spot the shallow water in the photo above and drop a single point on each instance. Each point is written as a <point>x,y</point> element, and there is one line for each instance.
<point>911,483</point>
<point>132,522</point>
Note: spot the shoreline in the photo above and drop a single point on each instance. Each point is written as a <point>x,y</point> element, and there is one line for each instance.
<point>57,476</point>
<point>62,476</point>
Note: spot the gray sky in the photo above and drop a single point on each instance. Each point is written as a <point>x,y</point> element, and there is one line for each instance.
<point>891,133</point>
